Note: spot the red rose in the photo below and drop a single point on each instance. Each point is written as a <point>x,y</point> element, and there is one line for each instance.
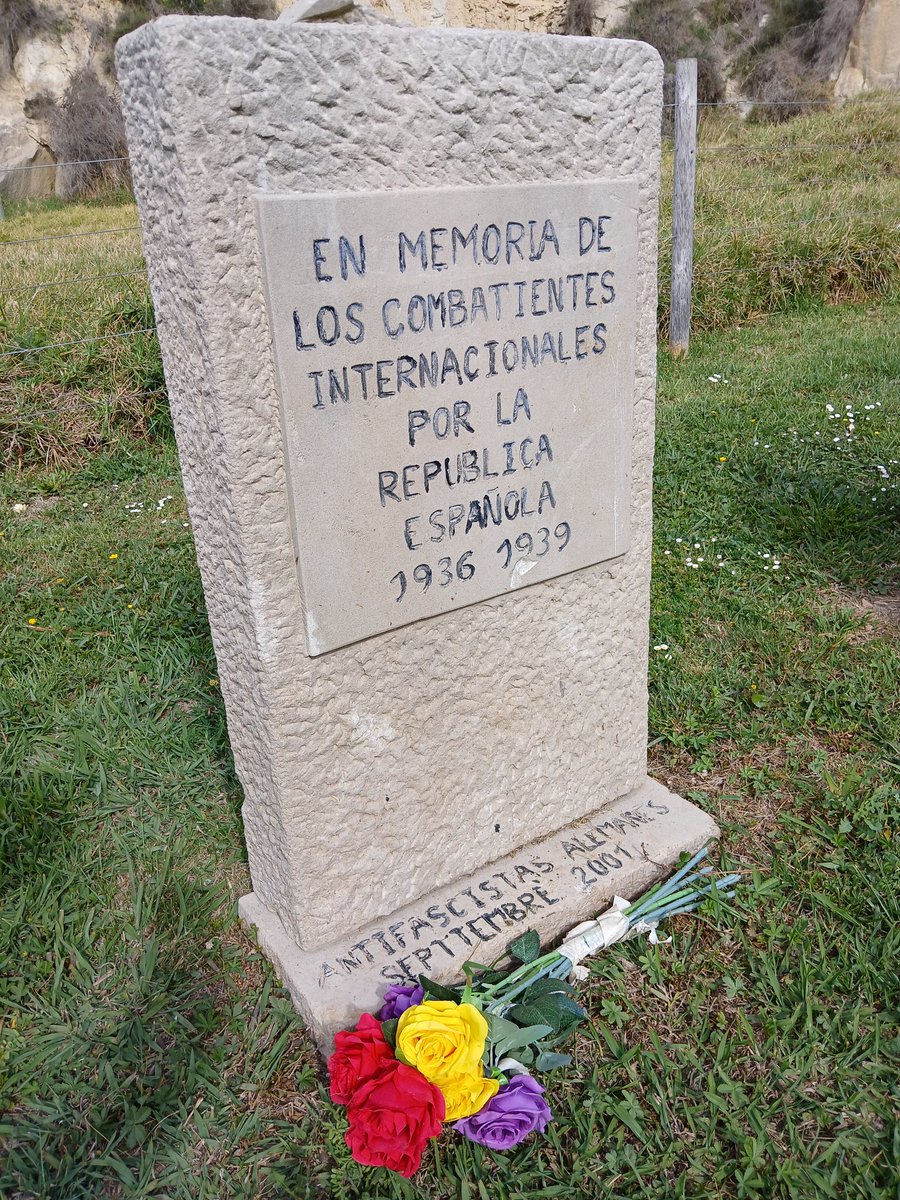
<point>392,1117</point>
<point>358,1055</point>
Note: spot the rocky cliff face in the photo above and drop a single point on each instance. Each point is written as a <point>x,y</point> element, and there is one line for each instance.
<point>44,46</point>
<point>57,90</point>
<point>534,16</point>
<point>873,59</point>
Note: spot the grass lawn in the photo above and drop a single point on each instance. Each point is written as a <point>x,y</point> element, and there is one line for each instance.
<point>146,1050</point>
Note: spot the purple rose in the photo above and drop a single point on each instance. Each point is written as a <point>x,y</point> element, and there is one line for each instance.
<point>518,1109</point>
<point>398,998</point>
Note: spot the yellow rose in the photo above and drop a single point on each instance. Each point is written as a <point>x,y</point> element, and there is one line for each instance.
<point>441,1039</point>
<point>467,1094</point>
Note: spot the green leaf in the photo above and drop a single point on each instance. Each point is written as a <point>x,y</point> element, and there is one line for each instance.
<point>568,1005</point>
<point>557,1010</point>
<point>530,1014</point>
<point>546,987</point>
<point>550,1043</point>
<point>488,977</point>
<point>521,1038</point>
<point>630,1114</point>
<point>548,1061</point>
<point>570,1020</point>
<point>436,991</point>
<point>526,948</point>
<point>389,1029</point>
<point>499,1028</point>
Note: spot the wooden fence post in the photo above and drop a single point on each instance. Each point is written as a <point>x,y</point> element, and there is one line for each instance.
<point>683,204</point>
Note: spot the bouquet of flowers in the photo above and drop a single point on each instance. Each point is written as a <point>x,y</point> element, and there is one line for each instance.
<point>464,1055</point>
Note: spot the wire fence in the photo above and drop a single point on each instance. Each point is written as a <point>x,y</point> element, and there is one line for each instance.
<point>62,237</point>
<point>102,337</point>
<point>52,166</point>
<point>769,199</point>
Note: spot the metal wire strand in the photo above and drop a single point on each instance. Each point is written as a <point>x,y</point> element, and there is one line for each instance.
<point>853,217</point>
<point>48,283</point>
<point>105,337</point>
<point>78,162</point>
<point>59,237</point>
<point>809,148</point>
<point>760,103</point>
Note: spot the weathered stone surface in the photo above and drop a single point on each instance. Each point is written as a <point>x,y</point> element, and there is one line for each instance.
<point>873,57</point>
<point>550,886</point>
<point>455,370</point>
<point>388,768</point>
<point>537,16</point>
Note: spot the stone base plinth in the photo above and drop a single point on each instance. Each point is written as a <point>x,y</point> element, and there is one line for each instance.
<point>549,885</point>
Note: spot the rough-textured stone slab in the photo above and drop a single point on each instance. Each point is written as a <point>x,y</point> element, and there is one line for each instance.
<point>383,770</point>
<point>549,885</point>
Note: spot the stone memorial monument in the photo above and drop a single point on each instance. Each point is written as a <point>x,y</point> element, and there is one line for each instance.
<point>405,286</point>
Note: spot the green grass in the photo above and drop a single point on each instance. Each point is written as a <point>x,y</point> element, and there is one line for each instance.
<point>145,1049</point>
<point>67,402</point>
<point>791,217</point>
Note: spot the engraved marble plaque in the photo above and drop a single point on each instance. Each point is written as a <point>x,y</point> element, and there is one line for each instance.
<point>456,381</point>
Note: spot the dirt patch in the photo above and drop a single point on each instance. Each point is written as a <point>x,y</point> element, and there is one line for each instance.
<point>36,507</point>
<point>749,791</point>
<point>746,792</point>
<point>879,613</point>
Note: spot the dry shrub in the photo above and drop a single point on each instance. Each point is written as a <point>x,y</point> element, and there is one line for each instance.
<point>730,12</point>
<point>257,9</point>
<point>130,17</point>
<point>819,31</point>
<point>676,31</point>
<point>17,17</point>
<point>579,18</point>
<point>833,33</point>
<point>86,132</point>
<point>791,67</point>
<point>784,85</point>
<point>264,10</point>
